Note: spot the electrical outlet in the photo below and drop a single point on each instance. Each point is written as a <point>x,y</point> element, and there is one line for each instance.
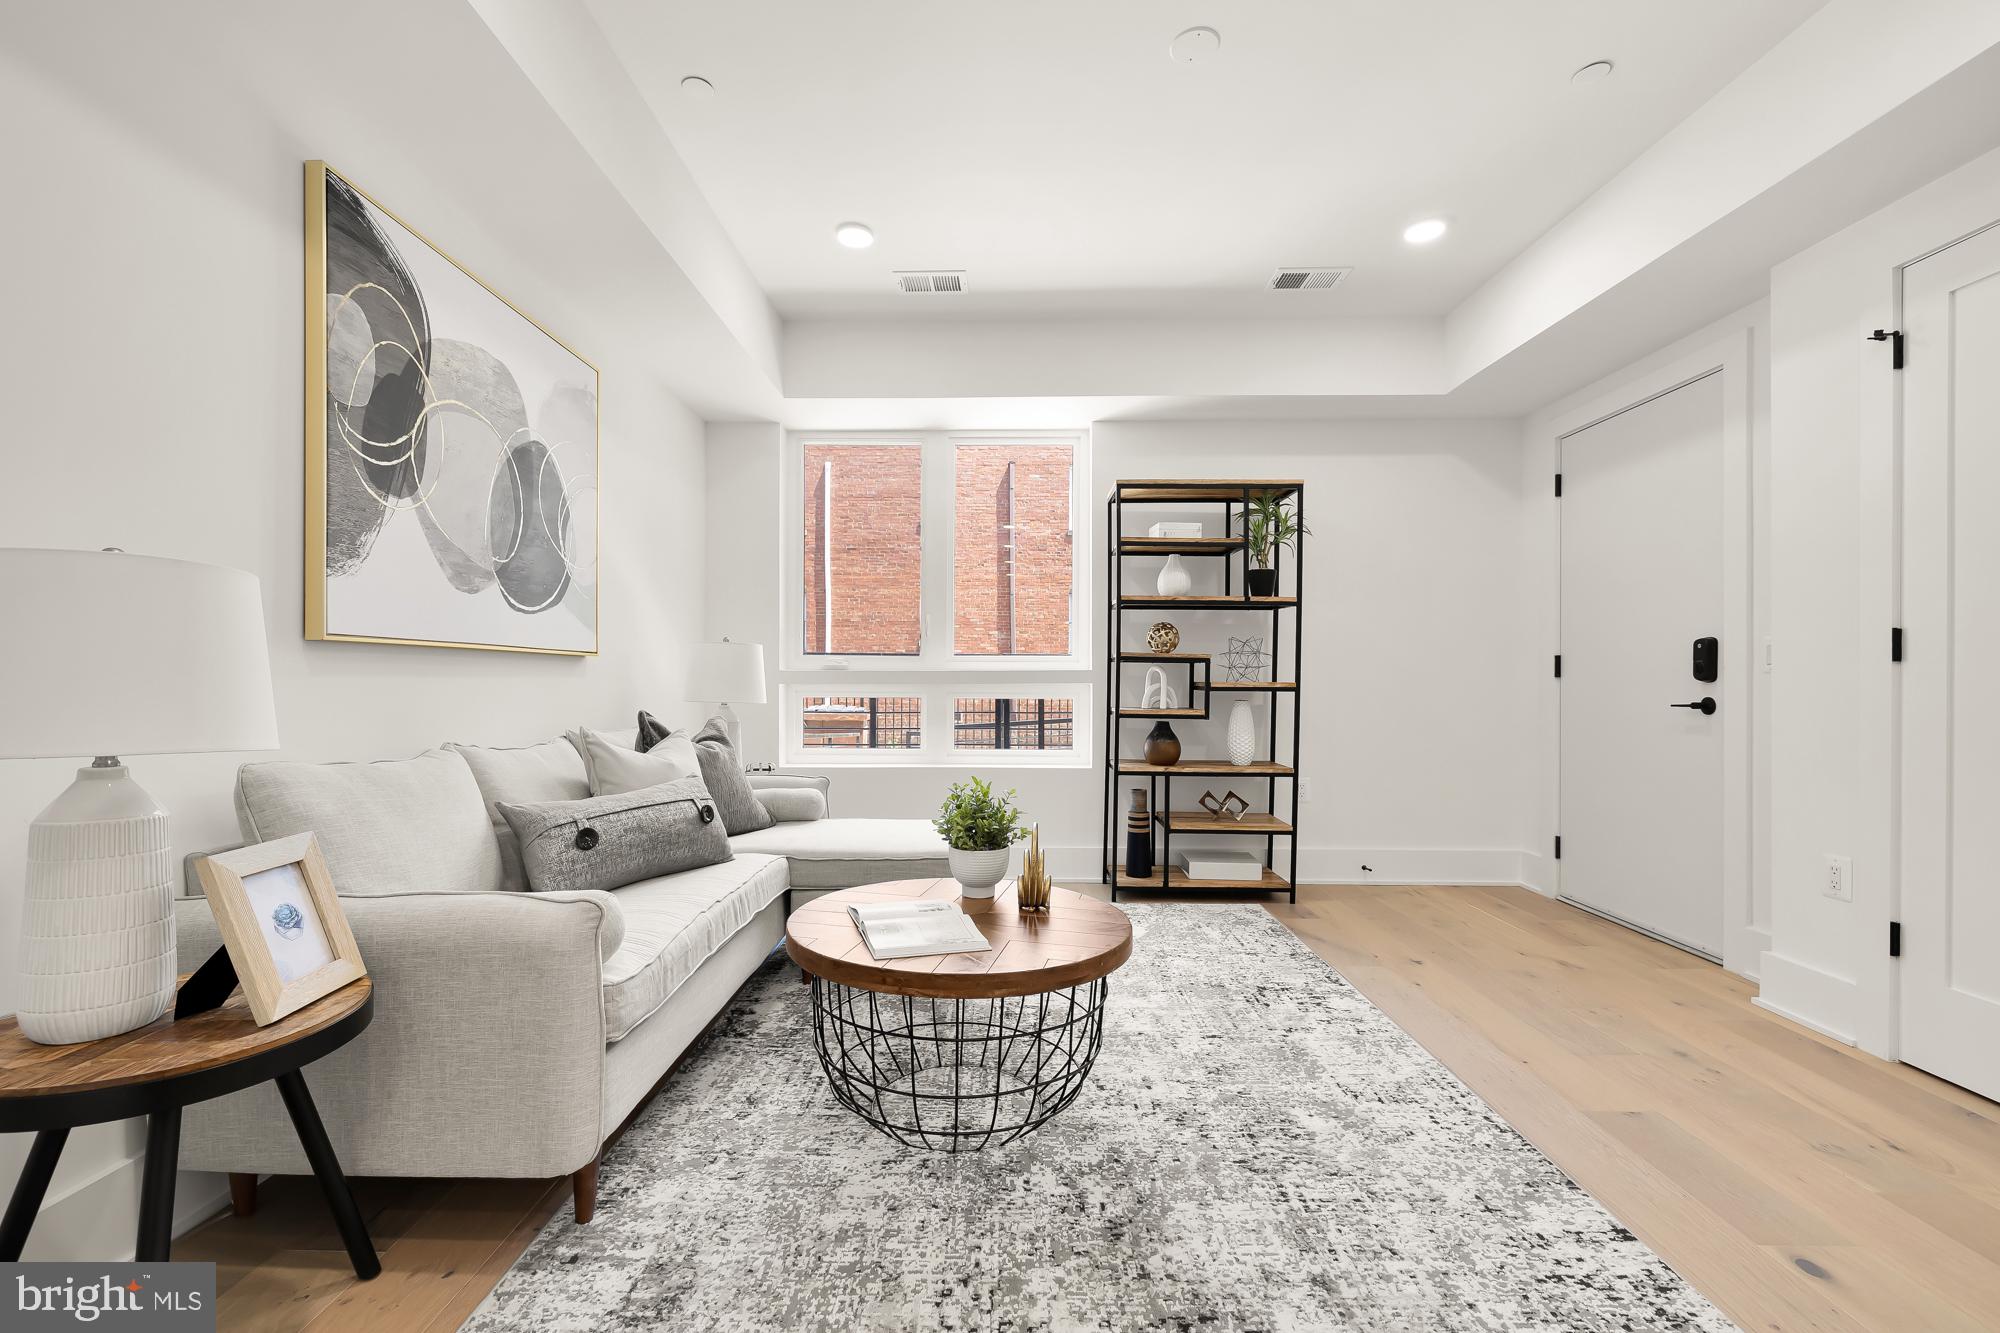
<point>1839,878</point>
<point>1305,790</point>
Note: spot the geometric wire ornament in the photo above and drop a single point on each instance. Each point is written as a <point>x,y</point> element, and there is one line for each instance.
<point>957,1075</point>
<point>1244,659</point>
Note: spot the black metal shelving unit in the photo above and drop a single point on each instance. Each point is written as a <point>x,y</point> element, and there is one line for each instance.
<point>1234,496</point>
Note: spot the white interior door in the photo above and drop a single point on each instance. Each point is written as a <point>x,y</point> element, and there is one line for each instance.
<point>1950,972</point>
<point>1642,562</point>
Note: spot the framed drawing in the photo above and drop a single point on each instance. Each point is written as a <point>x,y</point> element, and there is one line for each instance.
<point>275,907</point>
<point>451,448</point>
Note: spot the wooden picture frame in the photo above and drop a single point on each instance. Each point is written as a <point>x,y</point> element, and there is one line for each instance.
<point>282,924</point>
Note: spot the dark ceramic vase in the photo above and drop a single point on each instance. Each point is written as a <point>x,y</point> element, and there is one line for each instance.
<point>1138,838</point>
<point>1263,582</point>
<point>1162,746</point>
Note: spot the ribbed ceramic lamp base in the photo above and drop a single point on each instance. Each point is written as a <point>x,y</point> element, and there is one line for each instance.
<point>98,946</point>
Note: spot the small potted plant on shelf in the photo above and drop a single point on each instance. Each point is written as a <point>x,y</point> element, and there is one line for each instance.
<point>980,828</point>
<point>1268,523</point>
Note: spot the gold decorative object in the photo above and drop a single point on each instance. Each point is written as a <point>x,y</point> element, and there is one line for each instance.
<point>1033,887</point>
<point>1163,637</point>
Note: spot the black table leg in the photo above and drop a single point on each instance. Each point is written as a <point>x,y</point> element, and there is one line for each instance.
<point>156,1186</point>
<point>28,1192</point>
<point>332,1183</point>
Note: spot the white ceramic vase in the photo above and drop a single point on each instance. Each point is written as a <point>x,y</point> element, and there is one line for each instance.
<point>1242,734</point>
<point>97,920</point>
<point>978,872</point>
<point>1174,578</point>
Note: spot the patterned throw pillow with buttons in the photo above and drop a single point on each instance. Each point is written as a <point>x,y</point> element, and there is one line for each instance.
<point>604,842</point>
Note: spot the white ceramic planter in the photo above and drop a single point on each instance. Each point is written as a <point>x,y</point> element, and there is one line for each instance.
<point>978,872</point>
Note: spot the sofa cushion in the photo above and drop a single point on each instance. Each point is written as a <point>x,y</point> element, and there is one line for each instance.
<point>841,853</point>
<point>792,805</point>
<point>522,775</point>
<point>394,826</point>
<point>607,842</point>
<point>673,924</point>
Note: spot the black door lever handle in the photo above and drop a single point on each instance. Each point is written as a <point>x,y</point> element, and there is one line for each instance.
<point>1703,706</point>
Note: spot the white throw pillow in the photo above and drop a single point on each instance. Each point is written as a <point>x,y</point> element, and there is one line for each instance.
<point>615,768</point>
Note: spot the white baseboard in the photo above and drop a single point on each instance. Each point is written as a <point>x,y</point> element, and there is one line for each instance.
<point>98,1219</point>
<point>1807,996</point>
<point>1343,865</point>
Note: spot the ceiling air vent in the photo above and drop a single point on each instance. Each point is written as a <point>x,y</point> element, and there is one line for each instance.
<point>927,281</point>
<point>1306,279</point>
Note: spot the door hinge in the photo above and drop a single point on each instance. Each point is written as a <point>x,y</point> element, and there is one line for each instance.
<point>1559,666</point>
<point>1895,939</point>
<point>1559,846</point>
<point>1894,337</point>
<point>1896,643</point>
<point>1559,485</point>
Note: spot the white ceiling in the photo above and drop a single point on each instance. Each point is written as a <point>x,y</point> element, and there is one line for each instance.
<point>1053,151</point>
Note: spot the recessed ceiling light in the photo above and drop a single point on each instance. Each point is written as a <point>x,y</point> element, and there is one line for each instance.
<point>1595,72</point>
<point>1194,44</point>
<point>1423,233</point>
<point>697,87</point>
<point>854,235</point>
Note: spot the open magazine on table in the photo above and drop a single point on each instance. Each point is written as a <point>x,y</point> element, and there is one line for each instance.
<point>910,930</point>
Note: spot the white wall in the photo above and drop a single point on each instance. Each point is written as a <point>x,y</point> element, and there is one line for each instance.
<point>154,367</point>
<point>1414,738</point>
<point>1834,532</point>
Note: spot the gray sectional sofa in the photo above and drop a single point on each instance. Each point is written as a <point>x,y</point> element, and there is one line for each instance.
<point>514,1031</point>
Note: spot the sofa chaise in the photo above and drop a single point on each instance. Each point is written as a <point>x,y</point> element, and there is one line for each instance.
<point>514,1031</point>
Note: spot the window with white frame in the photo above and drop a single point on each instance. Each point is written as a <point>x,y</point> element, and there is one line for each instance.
<point>915,556</point>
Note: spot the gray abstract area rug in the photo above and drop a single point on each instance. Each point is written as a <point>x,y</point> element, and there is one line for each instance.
<point>1260,1148</point>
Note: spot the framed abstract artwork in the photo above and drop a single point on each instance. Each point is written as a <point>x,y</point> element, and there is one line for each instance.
<point>451,448</point>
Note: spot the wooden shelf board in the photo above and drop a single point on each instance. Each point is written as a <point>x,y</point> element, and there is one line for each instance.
<point>1200,821</point>
<point>1199,602</point>
<point>1179,545</point>
<point>1214,489</point>
<point>1273,685</point>
<point>1204,768</point>
<point>1178,879</point>
<point>1162,712</point>
<point>1163,657</point>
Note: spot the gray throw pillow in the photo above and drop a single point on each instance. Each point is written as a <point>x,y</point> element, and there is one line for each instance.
<point>613,768</point>
<point>727,782</point>
<point>605,842</point>
<point>721,769</point>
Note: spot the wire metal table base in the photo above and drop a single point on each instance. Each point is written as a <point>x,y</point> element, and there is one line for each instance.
<point>957,1075</point>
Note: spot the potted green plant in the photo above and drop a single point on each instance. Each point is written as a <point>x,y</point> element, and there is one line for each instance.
<point>979,827</point>
<point>1268,523</point>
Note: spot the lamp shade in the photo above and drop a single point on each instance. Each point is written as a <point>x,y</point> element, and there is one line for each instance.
<point>115,654</point>
<point>726,673</point>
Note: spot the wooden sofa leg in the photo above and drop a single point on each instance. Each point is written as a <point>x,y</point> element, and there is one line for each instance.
<point>242,1193</point>
<point>583,1184</point>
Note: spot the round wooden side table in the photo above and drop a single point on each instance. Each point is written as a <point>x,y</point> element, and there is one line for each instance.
<point>960,1051</point>
<point>156,1070</point>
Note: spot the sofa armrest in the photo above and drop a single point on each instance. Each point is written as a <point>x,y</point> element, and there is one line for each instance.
<point>794,781</point>
<point>485,1055</point>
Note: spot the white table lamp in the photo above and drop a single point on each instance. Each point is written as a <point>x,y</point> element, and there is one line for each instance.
<point>726,673</point>
<point>114,654</point>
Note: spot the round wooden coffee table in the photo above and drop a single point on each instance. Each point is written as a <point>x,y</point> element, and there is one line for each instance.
<point>960,1051</point>
<point>156,1070</point>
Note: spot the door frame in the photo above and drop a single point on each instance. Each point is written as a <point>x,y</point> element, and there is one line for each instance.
<point>1743,938</point>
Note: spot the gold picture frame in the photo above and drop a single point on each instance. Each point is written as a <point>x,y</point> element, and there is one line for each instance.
<point>282,923</point>
<point>454,568</point>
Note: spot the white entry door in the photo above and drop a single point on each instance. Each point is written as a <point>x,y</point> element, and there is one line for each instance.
<point>1950,972</point>
<point>1642,562</point>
